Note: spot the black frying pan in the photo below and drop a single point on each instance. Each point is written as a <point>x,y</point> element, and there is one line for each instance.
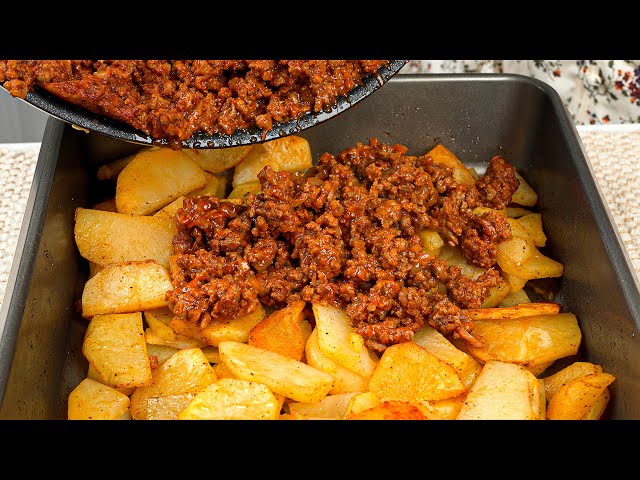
<point>80,117</point>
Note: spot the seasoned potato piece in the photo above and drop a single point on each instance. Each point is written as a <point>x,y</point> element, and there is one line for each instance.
<point>115,346</point>
<point>345,381</point>
<point>210,188</point>
<point>515,299</point>
<point>108,237</point>
<point>155,178</point>
<point>527,341</point>
<point>170,210</point>
<point>93,374</point>
<point>331,407</point>
<point>281,332</point>
<point>339,342</point>
<point>540,266</point>
<point>126,287</point>
<point>532,223</point>
<point>513,253</point>
<point>515,283</point>
<point>111,170</point>
<point>216,160</point>
<point>360,402</point>
<point>575,398</point>
<point>281,374</point>
<point>443,156</point>
<point>242,189</point>
<point>180,342</point>
<point>432,242</point>
<point>408,372</point>
<point>174,385</point>
<point>436,344</point>
<point>236,330</point>
<point>232,399</point>
<point>542,404</point>
<point>518,311</point>
<point>167,407</point>
<point>599,406</point>
<point>525,195</point>
<point>575,370</point>
<point>517,212</point>
<point>222,371</point>
<point>390,410</point>
<point>92,400</point>
<point>158,320</point>
<point>446,409</point>
<point>161,352</point>
<point>502,391</point>
<point>290,153</point>
<point>106,206</point>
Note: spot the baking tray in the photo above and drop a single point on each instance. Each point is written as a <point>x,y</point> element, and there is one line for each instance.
<point>476,116</point>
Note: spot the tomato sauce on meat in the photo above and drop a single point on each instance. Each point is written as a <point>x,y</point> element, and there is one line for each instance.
<point>172,99</point>
<point>345,233</point>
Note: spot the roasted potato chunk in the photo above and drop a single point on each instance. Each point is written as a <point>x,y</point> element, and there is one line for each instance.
<point>91,400</point>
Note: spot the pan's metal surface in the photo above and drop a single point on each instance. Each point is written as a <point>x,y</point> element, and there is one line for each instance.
<point>476,116</point>
<point>112,128</point>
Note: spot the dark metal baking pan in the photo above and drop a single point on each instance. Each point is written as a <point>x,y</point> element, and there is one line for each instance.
<point>476,116</point>
<point>106,126</point>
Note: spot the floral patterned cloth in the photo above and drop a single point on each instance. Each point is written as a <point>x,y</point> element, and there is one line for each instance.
<point>594,91</point>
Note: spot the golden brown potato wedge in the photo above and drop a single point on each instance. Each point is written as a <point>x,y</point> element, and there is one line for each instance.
<point>290,153</point>
<point>169,211</point>
<point>518,311</point>
<point>106,206</point>
<point>93,374</point>
<point>517,212</point>
<point>210,188</point>
<point>515,299</point>
<point>281,332</point>
<point>525,195</point>
<point>232,399</point>
<point>155,178</point>
<point>114,345</point>
<point>574,399</point>
<point>331,407</point>
<point>360,402</point>
<point>161,352</point>
<point>345,381</point>
<point>443,156</point>
<point>599,406</point>
<point>532,223</point>
<point>108,237</point>
<point>180,342</point>
<point>126,287</point>
<point>281,374</point>
<point>92,400</point>
<point>502,391</point>
<point>408,372</point>
<point>436,344</point>
<point>216,160</point>
<point>174,385</point>
<point>390,410</point>
<point>236,330</point>
<point>446,409</point>
<point>339,342</point>
<point>111,170</point>
<point>239,191</point>
<point>575,370</point>
<point>527,341</point>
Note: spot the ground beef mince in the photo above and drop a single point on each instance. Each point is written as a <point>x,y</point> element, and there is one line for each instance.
<point>345,233</point>
<point>172,99</point>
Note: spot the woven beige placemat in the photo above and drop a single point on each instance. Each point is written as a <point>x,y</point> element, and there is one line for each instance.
<point>605,147</point>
